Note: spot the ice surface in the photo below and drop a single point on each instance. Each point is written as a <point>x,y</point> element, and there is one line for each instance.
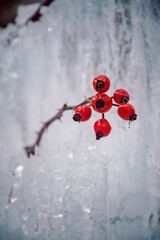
<point>77,188</point>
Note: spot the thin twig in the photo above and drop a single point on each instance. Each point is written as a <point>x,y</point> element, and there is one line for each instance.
<point>35,17</point>
<point>116,105</point>
<point>30,150</point>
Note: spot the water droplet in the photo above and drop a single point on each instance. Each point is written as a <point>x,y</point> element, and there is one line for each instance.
<point>58,216</point>
<point>57,178</point>
<point>12,200</point>
<point>50,29</point>
<point>36,227</point>
<point>87,210</point>
<point>42,170</point>
<point>91,147</point>
<point>14,75</point>
<point>70,155</point>
<point>19,171</point>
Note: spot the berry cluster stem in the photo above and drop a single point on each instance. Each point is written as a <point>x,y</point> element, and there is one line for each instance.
<point>30,150</point>
<point>86,101</point>
<point>116,105</point>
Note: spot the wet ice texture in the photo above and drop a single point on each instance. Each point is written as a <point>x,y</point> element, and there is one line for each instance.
<point>77,188</point>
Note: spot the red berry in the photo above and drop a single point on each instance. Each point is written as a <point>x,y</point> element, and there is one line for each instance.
<point>82,113</point>
<point>101,83</point>
<point>102,128</point>
<point>121,96</point>
<point>127,112</point>
<point>101,102</point>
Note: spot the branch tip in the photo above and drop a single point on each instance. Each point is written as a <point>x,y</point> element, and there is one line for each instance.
<point>30,150</point>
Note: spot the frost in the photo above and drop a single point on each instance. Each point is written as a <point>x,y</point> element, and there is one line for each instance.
<point>74,187</point>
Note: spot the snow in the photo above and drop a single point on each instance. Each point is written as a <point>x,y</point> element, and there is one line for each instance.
<point>75,187</point>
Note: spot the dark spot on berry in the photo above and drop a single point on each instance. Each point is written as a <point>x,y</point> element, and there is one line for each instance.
<point>99,84</point>
<point>99,135</point>
<point>124,99</point>
<point>133,117</point>
<point>100,103</point>
<point>77,117</point>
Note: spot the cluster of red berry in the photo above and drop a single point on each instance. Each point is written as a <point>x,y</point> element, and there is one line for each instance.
<point>102,103</point>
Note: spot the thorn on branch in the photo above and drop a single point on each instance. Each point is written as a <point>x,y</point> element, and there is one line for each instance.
<point>30,150</point>
<point>45,124</point>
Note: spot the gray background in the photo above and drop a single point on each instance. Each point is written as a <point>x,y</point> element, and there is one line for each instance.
<point>75,187</point>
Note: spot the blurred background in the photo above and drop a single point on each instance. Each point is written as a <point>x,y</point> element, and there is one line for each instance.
<point>75,187</point>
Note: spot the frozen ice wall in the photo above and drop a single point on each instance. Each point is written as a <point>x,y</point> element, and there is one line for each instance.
<point>77,188</point>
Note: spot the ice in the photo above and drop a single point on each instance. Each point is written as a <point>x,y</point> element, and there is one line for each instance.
<point>77,188</point>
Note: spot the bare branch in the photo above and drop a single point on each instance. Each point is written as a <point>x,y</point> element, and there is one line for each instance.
<point>35,17</point>
<point>30,150</point>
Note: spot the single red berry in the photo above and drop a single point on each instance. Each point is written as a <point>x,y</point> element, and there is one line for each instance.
<point>121,96</point>
<point>127,112</point>
<point>102,128</point>
<point>101,83</point>
<point>82,113</point>
<point>101,103</point>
